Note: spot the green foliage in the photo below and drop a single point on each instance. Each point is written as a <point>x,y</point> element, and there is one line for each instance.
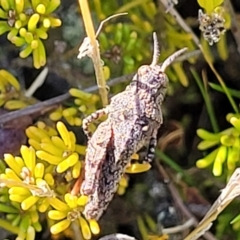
<point>27,23</point>
<point>226,155</point>
<point>121,44</point>
<point>234,93</point>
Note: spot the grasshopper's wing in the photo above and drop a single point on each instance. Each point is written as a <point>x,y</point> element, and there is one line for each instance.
<point>108,180</point>
<point>106,186</point>
<point>95,156</point>
<point>107,183</point>
<point>126,136</point>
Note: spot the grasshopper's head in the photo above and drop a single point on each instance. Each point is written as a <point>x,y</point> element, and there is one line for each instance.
<point>153,77</point>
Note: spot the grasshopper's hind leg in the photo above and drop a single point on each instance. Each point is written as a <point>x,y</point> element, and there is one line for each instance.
<point>91,118</point>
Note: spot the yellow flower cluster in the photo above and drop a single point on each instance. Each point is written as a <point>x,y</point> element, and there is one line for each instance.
<point>10,92</point>
<point>84,104</point>
<point>228,149</point>
<point>29,184</point>
<point>28,22</point>
<point>28,222</point>
<point>28,181</point>
<point>70,211</point>
<point>62,152</point>
<point>70,114</point>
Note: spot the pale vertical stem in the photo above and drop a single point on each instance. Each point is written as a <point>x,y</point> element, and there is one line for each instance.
<point>97,62</point>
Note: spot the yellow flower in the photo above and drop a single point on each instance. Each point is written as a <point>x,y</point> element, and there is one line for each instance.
<point>227,150</point>
<point>60,151</point>
<point>70,211</point>
<point>9,90</point>
<point>27,180</point>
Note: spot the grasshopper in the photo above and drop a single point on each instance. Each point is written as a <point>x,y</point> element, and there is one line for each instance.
<point>134,117</point>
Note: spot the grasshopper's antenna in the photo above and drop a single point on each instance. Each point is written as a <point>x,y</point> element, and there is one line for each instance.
<point>156,51</point>
<point>171,58</point>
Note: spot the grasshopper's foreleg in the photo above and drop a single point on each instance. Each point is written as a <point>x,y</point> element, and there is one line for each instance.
<point>91,118</point>
<point>151,149</point>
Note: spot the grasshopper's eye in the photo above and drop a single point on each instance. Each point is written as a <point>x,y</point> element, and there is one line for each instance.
<point>143,70</point>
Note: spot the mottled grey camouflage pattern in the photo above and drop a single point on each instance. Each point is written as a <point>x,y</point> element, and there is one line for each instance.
<point>134,117</point>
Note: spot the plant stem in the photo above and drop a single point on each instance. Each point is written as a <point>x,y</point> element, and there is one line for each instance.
<point>219,78</point>
<point>207,101</point>
<point>179,202</point>
<point>97,62</point>
<point>50,104</point>
<point>172,164</point>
